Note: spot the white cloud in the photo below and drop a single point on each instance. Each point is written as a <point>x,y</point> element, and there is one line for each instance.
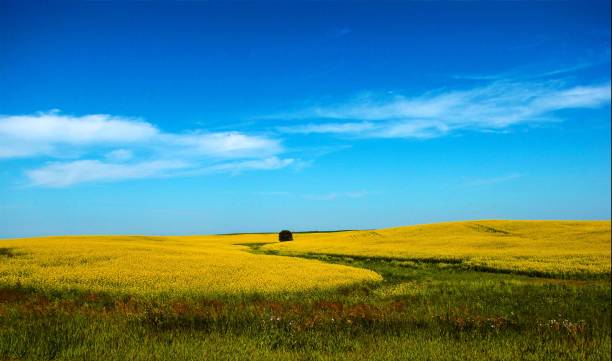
<point>259,164</point>
<point>43,133</point>
<point>105,149</point>
<point>223,144</point>
<point>339,128</point>
<point>53,134</point>
<point>53,127</point>
<point>496,106</point>
<point>62,174</point>
<point>417,128</point>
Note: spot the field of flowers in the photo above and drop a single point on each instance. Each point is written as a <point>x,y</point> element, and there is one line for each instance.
<point>548,248</point>
<point>207,265</point>
<point>171,266</point>
<point>490,290</point>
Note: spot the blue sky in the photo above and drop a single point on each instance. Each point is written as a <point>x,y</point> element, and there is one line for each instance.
<point>211,117</point>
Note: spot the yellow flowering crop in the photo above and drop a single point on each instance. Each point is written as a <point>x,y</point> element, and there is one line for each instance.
<point>542,247</point>
<point>183,266</point>
<point>207,265</point>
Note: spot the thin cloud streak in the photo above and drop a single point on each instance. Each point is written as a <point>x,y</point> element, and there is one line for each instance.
<point>495,107</point>
<point>492,180</point>
<point>517,74</point>
<point>335,195</point>
<point>259,164</point>
<point>329,196</point>
<point>64,174</point>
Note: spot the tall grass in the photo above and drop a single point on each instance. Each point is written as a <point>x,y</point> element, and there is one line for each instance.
<point>420,311</point>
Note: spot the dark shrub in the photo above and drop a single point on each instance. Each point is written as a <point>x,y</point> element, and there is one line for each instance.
<point>285,236</point>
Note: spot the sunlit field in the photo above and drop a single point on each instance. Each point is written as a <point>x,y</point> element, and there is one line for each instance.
<point>552,248</point>
<point>165,266</point>
<point>481,290</point>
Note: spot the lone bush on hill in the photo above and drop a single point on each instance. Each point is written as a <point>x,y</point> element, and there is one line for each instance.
<point>285,235</point>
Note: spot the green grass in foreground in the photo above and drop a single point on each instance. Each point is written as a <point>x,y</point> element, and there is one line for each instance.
<point>421,311</point>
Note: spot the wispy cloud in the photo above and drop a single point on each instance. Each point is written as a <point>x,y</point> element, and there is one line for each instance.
<point>477,182</point>
<point>274,193</point>
<point>341,32</point>
<point>334,128</point>
<point>496,106</point>
<point>110,148</point>
<point>62,174</point>
<point>520,74</point>
<point>259,164</point>
<point>536,71</point>
<point>221,144</point>
<point>335,195</point>
<point>326,196</point>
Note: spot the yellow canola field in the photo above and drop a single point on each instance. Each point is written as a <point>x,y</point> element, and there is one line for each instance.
<point>171,266</point>
<point>207,265</point>
<point>556,248</point>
